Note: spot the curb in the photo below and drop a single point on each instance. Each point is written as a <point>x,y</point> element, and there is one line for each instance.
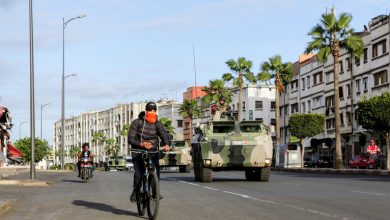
<point>335,171</point>
<point>4,206</point>
<point>25,183</point>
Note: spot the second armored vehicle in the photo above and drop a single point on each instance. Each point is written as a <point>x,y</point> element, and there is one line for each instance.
<point>224,144</point>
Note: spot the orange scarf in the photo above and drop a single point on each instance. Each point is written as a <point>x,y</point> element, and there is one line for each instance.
<point>151,117</point>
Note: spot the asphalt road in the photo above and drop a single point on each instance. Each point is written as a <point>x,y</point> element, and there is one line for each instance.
<point>229,196</point>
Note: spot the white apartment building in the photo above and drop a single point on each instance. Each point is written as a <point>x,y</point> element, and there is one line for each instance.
<point>80,129</point>
<point>311,90</point>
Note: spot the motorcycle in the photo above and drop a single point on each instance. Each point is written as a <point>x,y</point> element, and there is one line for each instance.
<point>86,169</point>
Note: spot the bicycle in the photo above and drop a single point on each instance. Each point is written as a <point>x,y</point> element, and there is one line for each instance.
<point>148,194</point>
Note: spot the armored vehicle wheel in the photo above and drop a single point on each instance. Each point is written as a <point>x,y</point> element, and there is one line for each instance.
<point>206,175</point>
<point>252,174</point>
<point>185,168</point>
<point>265,173</point>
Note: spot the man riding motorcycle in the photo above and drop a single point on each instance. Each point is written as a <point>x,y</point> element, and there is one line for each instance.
<point>86,153</point>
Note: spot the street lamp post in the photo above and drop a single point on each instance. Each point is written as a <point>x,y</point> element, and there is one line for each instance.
<point>20,128</point>
<point>42,106</point>
<point>32,94</point>
<point>64,23</point>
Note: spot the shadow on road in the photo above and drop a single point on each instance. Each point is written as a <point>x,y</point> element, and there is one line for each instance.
<point>103,207</point>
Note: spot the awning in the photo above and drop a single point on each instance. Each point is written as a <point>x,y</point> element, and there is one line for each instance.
<point>13,152</point>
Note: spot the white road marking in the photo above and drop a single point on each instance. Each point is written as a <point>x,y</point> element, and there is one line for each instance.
<point>370,193</point>
<point>206,187</point>
<point>270,201</point>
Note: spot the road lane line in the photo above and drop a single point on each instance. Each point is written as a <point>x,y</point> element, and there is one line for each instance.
<point>270,202</point>
<point>206,187</point>
<point>370,193</point>
<point>237,194</point>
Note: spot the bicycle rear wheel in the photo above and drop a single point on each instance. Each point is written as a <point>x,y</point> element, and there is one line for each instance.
<point>153,198</point>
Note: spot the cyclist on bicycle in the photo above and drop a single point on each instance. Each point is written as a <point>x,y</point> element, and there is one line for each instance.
<point>144,133</point>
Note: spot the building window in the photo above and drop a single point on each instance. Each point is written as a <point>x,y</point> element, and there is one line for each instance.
<point>365,55</point>
<point>341,119</point>
<point>377,47</point>
<point>273,121</point>
<point>358,86</point>
<point>317,78</point>
<point>357,61</point>
<point>259,104</point>
<point>243,106</point>
<point>303,83</point>
<point>318,102</point>
<point>329,101</point>
<point>329,77</point>
<point>330,124</point>
<point>348,90</point>
<point>303,107</point>
<point>341,94</point>
<point>341,68</point>
<point>348,61</point>
<point>365,83</point>
<point>294,108</point>
<point>349,117</point>
<point>233,107</point>
<point>179,123</point>
<point>308,81</point>
<point>273,105</point>
<point>294,85</point>
<point>380,78</point>
<point>309,106</point>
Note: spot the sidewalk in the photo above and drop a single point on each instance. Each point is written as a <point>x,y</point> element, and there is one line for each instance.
<point>335,171</point>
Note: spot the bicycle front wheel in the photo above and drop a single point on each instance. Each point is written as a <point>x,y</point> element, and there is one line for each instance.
<point>153,197</point>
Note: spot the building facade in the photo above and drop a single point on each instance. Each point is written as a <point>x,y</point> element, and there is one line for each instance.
<point>312,91</point>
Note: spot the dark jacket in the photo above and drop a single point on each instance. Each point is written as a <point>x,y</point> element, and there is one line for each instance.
<point>140,129</point>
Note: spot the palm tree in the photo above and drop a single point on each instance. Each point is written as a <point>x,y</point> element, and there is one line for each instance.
<point>190,109</point>
<point>329,37</point>
<point>112,147</point>
<point>217,94</point>
<point>125,130</point>
<point>74,151</point>
<point>99,137</point>
<point>281,73</point>
<point>242,69</point>
<point>167,125</point>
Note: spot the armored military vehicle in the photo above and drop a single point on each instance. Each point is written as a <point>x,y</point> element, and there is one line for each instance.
<point>179,157</point>
<point>224,144</point>
<point>116,163</point>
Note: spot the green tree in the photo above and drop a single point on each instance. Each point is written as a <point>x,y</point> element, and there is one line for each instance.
<point>281,73</point>
<point>190,109</point>
<point>217,94</point>
<point>167,124</point>
<point>374,114</point>
<point>41,149</point>
<point>241,71</point>
<point>125,130</point>
<point>304,126</point>
<point>74,152</point>
<point>112,147</point>
<point>99,137</point>
<point>329,37</point>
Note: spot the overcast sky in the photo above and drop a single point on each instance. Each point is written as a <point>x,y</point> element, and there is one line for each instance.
<point>131,50</point>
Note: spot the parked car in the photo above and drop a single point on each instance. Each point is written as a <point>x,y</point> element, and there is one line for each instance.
<point>307,162</point>
<point>324,162</point>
